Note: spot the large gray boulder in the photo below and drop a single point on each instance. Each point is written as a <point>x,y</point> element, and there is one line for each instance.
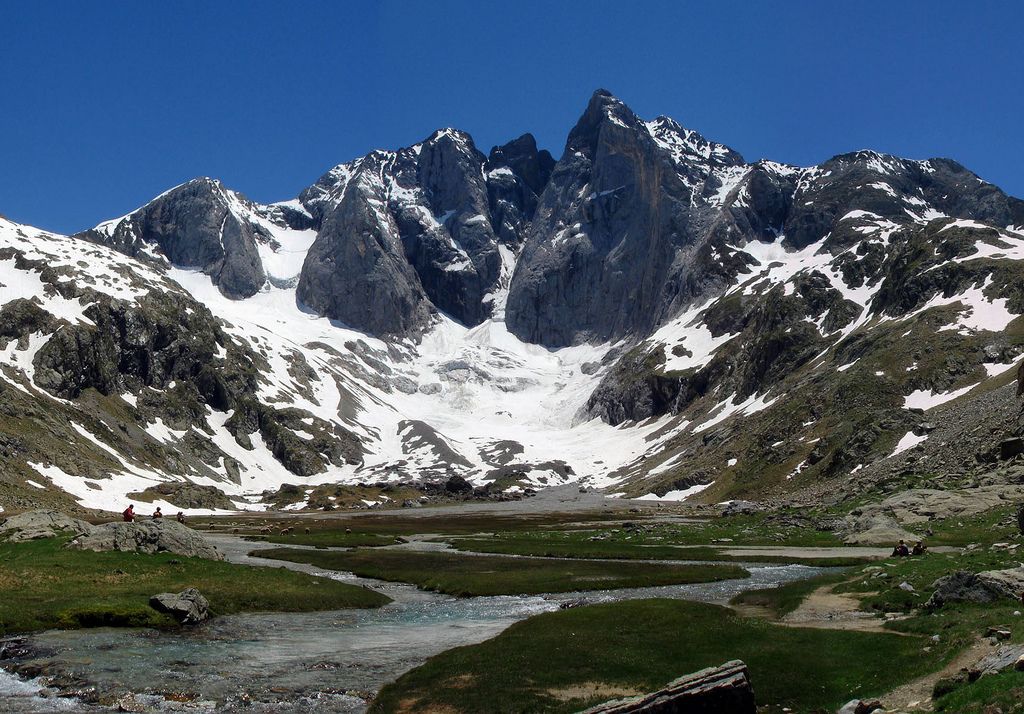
<point>33,525</point>
<point>986,587</point>
<point>717,689</point>
<point>188,607</point>
<point>876,529</point>
<point>159,536</point>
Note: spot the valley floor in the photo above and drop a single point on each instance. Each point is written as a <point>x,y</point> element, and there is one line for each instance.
<point>634,613</point>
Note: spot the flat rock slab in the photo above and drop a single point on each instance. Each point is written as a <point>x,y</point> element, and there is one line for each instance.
<point>1005,657</point>
<point>717,689</point>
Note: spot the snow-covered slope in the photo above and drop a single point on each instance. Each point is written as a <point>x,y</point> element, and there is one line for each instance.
<point>733,327</point>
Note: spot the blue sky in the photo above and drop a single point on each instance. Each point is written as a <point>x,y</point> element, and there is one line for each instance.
<point>105,104</point>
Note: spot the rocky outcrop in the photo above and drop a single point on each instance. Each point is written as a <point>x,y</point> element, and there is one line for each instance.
<point>157,536</point>
<point>173,344</point>
<point>922,505</point>
<point>20,318</point>
<point>184,494</point>
<point>188,607</point>
<point>33,525</point>
<point>717,689</point>
<point>163,338</point>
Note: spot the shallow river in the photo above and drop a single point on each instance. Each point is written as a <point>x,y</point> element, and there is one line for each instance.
<point>299,662</point>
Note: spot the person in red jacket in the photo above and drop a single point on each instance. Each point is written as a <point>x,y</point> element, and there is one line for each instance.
<point>129,513</point>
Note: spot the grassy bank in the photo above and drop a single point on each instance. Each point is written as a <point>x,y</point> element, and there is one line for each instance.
<point>43,586</point>
<point>330,539</point>
<point>590,544</point>
<point>549,662</point>
<point>466,575</point>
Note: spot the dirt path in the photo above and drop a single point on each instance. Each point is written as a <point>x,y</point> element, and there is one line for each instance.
<point>916,696</point>
<point>829,610</point>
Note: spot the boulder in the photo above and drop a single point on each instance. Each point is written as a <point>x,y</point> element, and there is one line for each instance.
<point>33,525</point>
<point>986,587</point>
<point>188,607</point>
<point>860,706</point>
<point>717,689</point>
<point>1008,448</point>
<point>1009,583</point>
<point>457,484</point>
<point>876,530</point>
<point>163,536</point>
<point>745,508</point>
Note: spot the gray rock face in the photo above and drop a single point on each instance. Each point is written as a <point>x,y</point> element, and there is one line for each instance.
<point>612,241</point>
<point>188,607</point>
<point>33,525</point>
<point>516,176</point>
<point>637,220</point>
<point>717,689</point>
<point>405,233</point>
<point>158,536</point>
<point>196,225</point>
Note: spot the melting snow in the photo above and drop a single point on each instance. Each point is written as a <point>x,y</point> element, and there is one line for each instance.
<point>922,399</point>
<point>909,441</point>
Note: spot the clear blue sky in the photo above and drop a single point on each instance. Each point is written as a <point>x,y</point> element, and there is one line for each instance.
<point>106,104</point>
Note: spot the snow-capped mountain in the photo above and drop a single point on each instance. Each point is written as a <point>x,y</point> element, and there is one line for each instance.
<point>649,315</point>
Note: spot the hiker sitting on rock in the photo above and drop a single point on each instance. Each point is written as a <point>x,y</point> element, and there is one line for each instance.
<point>919,548</point>
<point>129,513</point>
<point>180,517</point>
<point>901,550</point>
<point>157,514</point>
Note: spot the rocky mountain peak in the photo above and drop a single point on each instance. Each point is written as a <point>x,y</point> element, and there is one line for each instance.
<point>604,112</point>
<point>524,160</point>
<point>199,224</point>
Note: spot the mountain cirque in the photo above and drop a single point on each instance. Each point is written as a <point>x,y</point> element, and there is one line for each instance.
<point>649,315</point>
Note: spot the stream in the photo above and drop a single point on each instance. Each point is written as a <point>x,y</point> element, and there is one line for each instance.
<point>294,662</point>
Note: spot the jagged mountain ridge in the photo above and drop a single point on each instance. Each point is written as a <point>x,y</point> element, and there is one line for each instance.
<point>707,298</point>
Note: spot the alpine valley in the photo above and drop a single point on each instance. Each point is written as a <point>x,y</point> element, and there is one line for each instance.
<point>649,315</point>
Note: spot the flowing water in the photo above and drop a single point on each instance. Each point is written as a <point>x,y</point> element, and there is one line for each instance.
<point>299,662</point>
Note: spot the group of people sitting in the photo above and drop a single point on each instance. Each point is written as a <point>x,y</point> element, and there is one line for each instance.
<point>129,514</point>
<point>901,550</point>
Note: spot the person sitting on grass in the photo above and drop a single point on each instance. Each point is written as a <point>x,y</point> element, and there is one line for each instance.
<point>129,513</point>
<point>919,548</point>
<point>901,550</point>
<point>158,514</point>
<point>181,517</point>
